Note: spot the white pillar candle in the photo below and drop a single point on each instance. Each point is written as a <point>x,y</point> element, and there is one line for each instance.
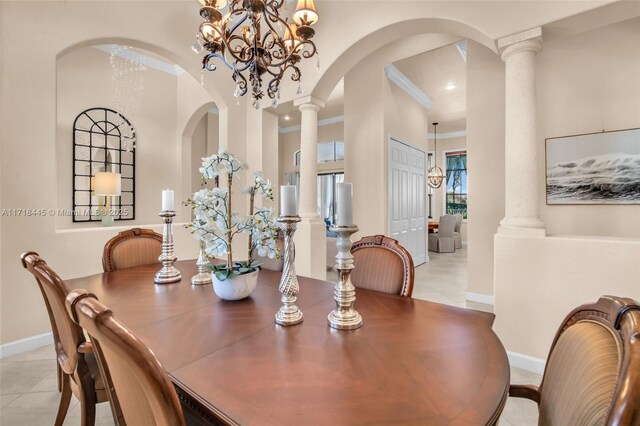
<point>167,200</point>
<point>288,201</point>
<point>344,204</point>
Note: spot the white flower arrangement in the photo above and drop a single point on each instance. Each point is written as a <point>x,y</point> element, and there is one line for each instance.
<point>216,224</point>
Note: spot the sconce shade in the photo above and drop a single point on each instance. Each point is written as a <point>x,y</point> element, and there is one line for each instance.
<point>107,183</point>
<point>218,4</point>
<point>291,38</point>
<point>306,13</point>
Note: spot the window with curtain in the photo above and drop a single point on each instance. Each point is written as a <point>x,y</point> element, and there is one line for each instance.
<point>456,195</point>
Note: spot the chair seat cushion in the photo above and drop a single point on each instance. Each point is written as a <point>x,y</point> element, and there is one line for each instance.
<point>581,376</point>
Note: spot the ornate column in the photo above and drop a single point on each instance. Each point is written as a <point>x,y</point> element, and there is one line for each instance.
<point>522,213</point>
<point>310,239</point>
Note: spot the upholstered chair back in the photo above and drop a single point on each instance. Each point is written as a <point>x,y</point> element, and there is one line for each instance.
<point>458,224</point>
<point>382,264</point>
<point>593,371</point>
<point>144,392</point>
<point>447,225</point>
<point>130,248</point>
<point>67,336</point>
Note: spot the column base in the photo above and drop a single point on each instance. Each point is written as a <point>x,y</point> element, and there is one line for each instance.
<point>522,226</point>
<point>311,248</point>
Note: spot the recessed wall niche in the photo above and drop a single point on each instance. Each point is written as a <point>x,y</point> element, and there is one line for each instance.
<point>102,142</point>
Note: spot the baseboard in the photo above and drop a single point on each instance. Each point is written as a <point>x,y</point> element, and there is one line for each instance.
<point>526,362</point>
<point>480,298</point>
<point>25,345</point>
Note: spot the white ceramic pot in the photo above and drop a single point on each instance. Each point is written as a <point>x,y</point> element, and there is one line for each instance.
<point>235,288</point>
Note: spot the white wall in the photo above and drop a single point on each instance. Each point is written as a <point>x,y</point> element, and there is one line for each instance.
<point>198,151</point>
<point>289,143</point>
<point>84,80</point>
<point>586,82</point>
<point>485,159</point>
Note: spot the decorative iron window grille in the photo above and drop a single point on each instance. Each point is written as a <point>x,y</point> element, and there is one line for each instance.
<point>102,142</point>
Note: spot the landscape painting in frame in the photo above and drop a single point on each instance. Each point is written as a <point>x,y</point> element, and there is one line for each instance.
<point>596,168</point>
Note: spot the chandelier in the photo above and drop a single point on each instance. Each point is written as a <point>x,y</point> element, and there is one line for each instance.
<point>251,37</point>
<point>434,174</point>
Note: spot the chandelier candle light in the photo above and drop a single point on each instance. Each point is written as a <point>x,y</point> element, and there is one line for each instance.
<point>344,317</point>
<point>435,176</point>
<point>168,273</point>
<point>289,313</point>
<point>253,36</point>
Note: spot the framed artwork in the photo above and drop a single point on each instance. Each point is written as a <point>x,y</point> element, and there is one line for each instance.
<point>594,168</point>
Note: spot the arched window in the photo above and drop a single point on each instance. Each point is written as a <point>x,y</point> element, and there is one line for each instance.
<point>103,141</point>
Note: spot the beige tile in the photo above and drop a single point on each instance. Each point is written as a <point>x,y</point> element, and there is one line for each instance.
<point>37,400</point>
<point>103,416</point>
<point>20,377</point>
<point>7,399</point>
<point>48,383</point>
<point>19,416</point>
<point>521,412</point>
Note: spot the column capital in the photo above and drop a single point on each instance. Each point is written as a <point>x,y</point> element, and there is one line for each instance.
<point>308,102</point>
<point>530,40</point>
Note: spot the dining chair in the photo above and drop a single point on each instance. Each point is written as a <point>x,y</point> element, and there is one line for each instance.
<point>443,240</point>
<point>592,376</point>
<point>382,264</point>
<point>133,247</point>
<point>144,393</point>
<point>457,235</point>
<point>78,369</point>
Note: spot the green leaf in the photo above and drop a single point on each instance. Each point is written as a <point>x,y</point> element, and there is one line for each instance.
<point>221,275</point>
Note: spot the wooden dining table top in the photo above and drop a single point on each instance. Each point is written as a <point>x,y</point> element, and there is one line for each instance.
<point>412,362</point>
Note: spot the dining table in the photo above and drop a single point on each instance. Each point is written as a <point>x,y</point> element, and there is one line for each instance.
<point>413,362</point>
<point>433,227</point>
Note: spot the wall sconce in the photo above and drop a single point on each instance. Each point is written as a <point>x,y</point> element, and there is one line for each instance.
<point>107,185</point>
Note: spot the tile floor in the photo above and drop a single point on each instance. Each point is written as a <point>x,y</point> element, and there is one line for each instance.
<point>29,396</point>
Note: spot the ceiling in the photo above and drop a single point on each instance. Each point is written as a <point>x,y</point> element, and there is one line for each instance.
<point>440,74</point>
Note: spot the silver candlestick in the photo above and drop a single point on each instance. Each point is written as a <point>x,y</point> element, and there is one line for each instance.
<point>203,276</point>
<point>344,317</point>
<point>289,313</point>
<point>168,273</point>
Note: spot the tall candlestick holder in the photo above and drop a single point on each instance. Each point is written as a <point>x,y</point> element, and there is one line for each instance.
<point>168,273</point>
<point>344,317</point>
<point>289,313</point>
<point>203,277</point>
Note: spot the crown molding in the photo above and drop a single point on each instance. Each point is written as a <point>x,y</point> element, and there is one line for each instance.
<point>325,122</point>
<point>449,135</point>
<point>403,82</point>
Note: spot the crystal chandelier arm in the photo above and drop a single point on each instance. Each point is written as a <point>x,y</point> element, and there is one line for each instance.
<point>241,82</point>
<point>275,5</point>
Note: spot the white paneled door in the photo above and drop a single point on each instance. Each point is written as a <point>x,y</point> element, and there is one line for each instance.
<point>407,207</point>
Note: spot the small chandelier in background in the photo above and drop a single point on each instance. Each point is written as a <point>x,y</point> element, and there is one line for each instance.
<point>252,36</point>
<point>128,84</point>
<point>435,176</point>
